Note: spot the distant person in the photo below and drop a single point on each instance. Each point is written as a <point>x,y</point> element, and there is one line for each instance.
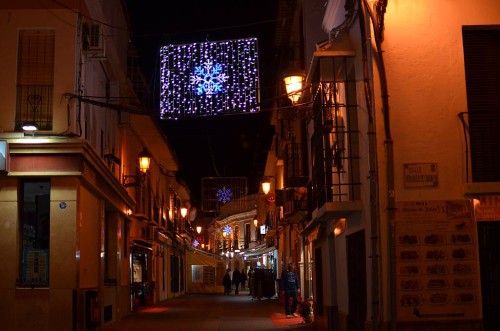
<point>236,280</point>
<point>290,286</point>
<point>226,281</point>
<point>243,278</point>
<point>251,277</point>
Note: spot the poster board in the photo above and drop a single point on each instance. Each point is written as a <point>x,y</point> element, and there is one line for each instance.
<point>437,265</point>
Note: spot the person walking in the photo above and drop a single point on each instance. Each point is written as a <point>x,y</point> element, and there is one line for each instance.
<point>226,281</point>
<point>251,274</point>
<point>290,287</point>
<point>243,278</point>
<point>236,280</point>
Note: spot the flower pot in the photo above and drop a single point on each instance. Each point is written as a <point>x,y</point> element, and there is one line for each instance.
<point>308,319</point>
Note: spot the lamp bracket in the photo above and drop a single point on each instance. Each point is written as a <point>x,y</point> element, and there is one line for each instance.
<point>132,180</point>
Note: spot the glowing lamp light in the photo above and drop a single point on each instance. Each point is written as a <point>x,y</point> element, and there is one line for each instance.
<point>293,84</point>
<point>340,226</point>
<point>266,185</point>
<point>144,160</point>
<point>184,212</point>
<point>29,126</point>
<point>198,229</point>
<point>255,222</point>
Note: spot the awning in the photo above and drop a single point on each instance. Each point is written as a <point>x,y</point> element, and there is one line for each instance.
<point>260,251</point>
<point>142,244</point>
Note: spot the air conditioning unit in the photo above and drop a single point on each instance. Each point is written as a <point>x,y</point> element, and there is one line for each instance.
<point>93,40</point>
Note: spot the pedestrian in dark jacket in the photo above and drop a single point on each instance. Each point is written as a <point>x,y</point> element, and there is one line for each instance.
<point>236,280</point>
<point>290,286</point>
<point>226,281</point>
<point>243,278</point>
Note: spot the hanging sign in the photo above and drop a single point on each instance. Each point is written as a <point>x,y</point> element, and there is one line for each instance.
<point>271,199</point>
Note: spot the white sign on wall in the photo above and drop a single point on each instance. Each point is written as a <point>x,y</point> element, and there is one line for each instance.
<point>420,174</point>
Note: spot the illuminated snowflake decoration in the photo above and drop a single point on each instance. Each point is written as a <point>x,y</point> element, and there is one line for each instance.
<point>227,230</point>
<point>208,78</point>
<point>196,243</point>
<point>224,194</point>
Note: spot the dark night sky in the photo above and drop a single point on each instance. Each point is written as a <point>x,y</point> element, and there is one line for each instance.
<point>223,146</point>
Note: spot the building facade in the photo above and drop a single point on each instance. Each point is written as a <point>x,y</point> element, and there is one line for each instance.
<point>84,226</point>
<point>399,112</point>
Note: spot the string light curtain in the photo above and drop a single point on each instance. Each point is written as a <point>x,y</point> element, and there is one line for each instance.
<point>210,78</point>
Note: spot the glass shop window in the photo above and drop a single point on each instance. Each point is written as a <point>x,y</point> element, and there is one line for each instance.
<point>34,204</point>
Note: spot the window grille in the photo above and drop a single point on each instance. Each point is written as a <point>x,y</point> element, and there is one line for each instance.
<point>335,142</point>
<point>482,74</point>
<point>35,78</point>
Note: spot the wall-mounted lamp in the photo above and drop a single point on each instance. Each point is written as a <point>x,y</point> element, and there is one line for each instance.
<point>184,212</point>
<point>198,229</point>
<point>293,84</point>
<point>340,225</point>
<point>255,222</point>
<point>29,126</point>
<point>144,161</point>
<point>266,184</point>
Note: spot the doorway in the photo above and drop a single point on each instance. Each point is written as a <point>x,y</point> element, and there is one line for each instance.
<point>489,259</point>
<point>356,273</point>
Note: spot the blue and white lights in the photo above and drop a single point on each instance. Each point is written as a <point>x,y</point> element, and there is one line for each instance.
<point>209,78</point>
<point>224,194</point>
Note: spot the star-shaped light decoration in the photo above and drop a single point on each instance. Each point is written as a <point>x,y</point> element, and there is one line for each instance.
<point>224,194</point>
<point>227,230</point>
<point>196,243</point>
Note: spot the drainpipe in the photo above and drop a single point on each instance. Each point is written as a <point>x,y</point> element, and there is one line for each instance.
<point>374,187</point>
<point>377,20</point>
<point>372,147</point>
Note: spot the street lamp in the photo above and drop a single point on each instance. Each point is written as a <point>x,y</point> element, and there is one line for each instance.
<point>29,126</point>
<point>293,84</point>
<point>266,184</point>
<point>198,229</point>
<point>184,212</point>
<point>144,158</point>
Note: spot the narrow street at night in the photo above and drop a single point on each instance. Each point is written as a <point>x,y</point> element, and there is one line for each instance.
<point>211,312</point>
<point>336,160</point>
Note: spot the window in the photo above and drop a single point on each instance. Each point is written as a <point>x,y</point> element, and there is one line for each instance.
<point>35,78</point>
<point>34,204</point>
<point>91,37</point>
<point>197,273</point>
<point>335,142</point>
<point>482,75</point>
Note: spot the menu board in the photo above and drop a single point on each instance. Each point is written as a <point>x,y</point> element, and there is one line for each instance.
<point>208,275</point>
<point>437,267</point>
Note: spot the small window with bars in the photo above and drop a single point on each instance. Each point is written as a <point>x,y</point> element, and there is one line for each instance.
<point>35,78</point>
<point>91,37</point>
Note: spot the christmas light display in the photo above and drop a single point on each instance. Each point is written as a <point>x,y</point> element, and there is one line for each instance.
<point>227,230</point>
<point>227,192</point>
<point>224,194</point>
<point>210,78</point>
